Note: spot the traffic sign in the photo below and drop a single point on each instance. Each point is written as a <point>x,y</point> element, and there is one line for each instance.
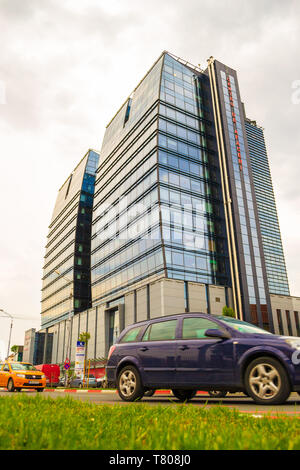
<point>67,364</point>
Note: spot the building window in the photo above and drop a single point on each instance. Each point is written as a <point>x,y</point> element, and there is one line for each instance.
<point>297,322</point>
<point>186,297</point>
<point>127,114</point>
<point>278,311</point>
<point>288,319</point>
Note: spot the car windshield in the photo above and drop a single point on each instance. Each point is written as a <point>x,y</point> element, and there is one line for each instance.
<point>243,326</point>
<point>21,366</point>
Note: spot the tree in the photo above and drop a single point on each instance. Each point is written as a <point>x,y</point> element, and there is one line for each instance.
<point>14,349</point>
<point>228,312</point>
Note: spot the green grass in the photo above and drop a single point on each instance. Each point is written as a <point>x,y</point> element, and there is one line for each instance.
<point>35,422</point>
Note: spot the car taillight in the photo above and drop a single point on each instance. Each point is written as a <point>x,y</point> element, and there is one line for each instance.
<point>111,350</point>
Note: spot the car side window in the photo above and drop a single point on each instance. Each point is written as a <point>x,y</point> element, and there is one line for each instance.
<point>131,335</point>
<point>161,331</point>
<point>6,368</point>
<point>194,328</point>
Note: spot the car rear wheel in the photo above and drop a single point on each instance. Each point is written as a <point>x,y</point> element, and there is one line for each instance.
<point>129,384</point>
<point>184,395</point>
<point>217,393</point>
<point>267,382</point>
<point>10,385</point>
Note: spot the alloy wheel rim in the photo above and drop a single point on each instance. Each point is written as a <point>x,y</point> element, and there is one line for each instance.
<point>265,381</point>
<point>128,383</point>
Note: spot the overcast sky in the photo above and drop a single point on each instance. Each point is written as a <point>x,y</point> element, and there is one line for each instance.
<point>66,67</point>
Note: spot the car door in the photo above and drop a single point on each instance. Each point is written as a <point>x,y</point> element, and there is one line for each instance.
<point>202,360</point>
<point>157,353</point>
<point>1,374</point>
<point>5,373</point>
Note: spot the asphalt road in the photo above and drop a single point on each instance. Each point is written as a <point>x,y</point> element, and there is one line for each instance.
<point>237,401</point>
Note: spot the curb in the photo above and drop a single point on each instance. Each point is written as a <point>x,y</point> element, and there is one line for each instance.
<point>66,390</point>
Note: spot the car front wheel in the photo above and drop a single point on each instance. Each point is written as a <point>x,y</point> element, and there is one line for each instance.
<point>266,381</point>
<point>184,395</point>
<point>10,385</point>
<point>129,384</point>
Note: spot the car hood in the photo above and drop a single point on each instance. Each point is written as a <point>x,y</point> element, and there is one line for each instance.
<point>273,338</point>
<point>37,373</point>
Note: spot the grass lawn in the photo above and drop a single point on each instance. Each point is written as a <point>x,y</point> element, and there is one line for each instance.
<point>36,422</point>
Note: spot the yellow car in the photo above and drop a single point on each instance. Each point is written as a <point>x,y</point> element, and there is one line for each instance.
<point>18,375</point>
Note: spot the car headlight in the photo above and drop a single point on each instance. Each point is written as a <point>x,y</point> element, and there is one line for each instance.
<point>23,376</point>
<point>294,343</point>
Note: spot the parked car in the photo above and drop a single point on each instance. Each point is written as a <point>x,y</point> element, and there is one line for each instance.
<point>194,351</point>
<point>101,382</point>
<point>61,381</point>
<point>18,375</point>
<point>52,372</point>
<point>88,381</point>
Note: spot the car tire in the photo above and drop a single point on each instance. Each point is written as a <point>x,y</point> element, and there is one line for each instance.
<point>129,384</point>
<point>10,385</point>
<point>217,393</point>
<point>18,389</point>
<point>184,395</point>
<point>149,393</point>
<point>267,382</point>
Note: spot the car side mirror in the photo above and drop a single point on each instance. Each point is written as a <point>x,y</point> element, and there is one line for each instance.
<point>215,333</point>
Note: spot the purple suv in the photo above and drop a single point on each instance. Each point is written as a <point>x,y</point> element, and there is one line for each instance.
<point>194,351</point>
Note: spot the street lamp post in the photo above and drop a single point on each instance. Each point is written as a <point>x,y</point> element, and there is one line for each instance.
<point>10,330</point>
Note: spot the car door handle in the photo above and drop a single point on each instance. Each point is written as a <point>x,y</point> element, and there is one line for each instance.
<point>144,348</point>
<point>183,347</point>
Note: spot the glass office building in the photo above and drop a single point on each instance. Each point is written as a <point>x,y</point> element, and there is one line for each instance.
<point>169,218</point>
<point>66,271</point>
<point>158,203</point>
<point>267,213</point>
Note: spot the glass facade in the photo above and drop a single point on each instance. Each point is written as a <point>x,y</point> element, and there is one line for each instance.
<point>126,241</point>
<point>66,272</point>
<point>267,213</point>
<point>190,194</point>
<point>157,201</point>
<point>242,185</point>
<point>248,271</point>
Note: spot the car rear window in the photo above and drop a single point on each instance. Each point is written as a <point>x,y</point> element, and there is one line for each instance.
<point>161,331</point>
<point>131,335</point>
<point>194,328</point>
